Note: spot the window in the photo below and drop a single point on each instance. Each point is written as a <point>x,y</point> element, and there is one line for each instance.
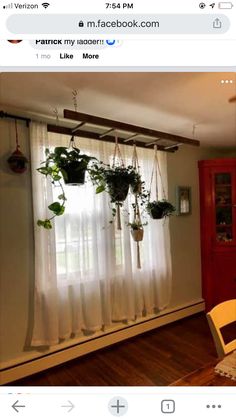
<point>86,270</point>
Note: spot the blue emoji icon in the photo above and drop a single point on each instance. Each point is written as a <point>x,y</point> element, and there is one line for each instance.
<point>110,41</point>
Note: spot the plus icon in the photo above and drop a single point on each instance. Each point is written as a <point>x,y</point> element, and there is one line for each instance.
<point>118,406</point>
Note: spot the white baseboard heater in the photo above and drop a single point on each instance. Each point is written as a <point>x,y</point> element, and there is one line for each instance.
<point>41,362</point>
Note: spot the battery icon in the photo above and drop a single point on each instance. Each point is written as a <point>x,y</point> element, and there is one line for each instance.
<point>225,5</point>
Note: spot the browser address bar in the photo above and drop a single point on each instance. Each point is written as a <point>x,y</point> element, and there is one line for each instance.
<point>211,24</point>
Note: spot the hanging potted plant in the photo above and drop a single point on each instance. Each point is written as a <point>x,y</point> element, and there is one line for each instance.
<point>119,180</point>
<point>116,181</point>
<point>160,209</point>
<point>71,164</point>
<point>136,229</point>
<point>67,164</point>
<point>136,226</point>
<point>137,232</point>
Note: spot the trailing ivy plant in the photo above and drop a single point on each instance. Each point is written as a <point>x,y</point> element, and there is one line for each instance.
<point>69,165</point>
<point>116,181</point>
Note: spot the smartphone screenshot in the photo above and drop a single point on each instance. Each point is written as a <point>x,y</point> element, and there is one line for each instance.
<point>118,209</point>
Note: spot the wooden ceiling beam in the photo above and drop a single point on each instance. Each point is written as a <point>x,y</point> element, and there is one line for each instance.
<point>109,123</point>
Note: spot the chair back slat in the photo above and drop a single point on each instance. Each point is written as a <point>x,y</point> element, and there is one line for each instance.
<point>220,316</point>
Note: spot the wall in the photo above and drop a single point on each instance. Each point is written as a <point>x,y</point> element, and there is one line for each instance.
<point>16,245</point>
<point>17,248</point>
<point>185,229</point>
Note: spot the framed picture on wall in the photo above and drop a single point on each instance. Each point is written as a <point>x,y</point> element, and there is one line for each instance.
<point>183,200</point>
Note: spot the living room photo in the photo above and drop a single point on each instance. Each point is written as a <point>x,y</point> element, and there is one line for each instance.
<point>118,229</point>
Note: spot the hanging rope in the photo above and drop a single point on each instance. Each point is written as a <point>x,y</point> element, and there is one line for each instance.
<point>56,113</point>
<point>162,184</point>
<point>194,130</point>
<point>136,216</point>
<point>135,162</point>
<point>74,98</point>
<point>72,144</point>
<point>154,176</point>
<point>138,221</point>
<point>117,154</point>
<point>138,257</point>
<point>17,140</point>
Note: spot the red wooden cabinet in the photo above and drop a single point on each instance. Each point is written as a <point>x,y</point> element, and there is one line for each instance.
<point>218,229</point>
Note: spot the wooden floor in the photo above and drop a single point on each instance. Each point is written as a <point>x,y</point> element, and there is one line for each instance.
<point>158,358</point>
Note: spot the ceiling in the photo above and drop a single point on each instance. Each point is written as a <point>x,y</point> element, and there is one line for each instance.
<point>169,102</point>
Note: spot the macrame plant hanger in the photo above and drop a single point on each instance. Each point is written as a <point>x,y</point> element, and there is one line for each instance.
<point>138,233</point>
<point>117,158</point>
<point>75,99</point>
<point>17,161</point>
<point>154,177</point>
<point>74,94</point>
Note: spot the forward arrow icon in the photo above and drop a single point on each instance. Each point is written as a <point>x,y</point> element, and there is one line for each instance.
<point>69,406</point>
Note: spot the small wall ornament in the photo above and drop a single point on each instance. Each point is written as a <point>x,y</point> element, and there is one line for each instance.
<point>17,161</point>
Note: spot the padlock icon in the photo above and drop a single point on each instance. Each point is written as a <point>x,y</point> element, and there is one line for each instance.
<point>81,24</point>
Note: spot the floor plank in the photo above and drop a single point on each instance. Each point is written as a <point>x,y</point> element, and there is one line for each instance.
<point>205,376</point>
<point>156,358</point>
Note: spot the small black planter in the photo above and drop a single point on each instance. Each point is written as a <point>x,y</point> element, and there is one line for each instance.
<point>73,174</point>
<point>160,209</point>
<point>117,191</point>
<point>157,213</point>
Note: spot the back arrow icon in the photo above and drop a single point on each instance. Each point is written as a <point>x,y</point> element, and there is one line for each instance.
<point>16,406</point>
<point>70,406</point>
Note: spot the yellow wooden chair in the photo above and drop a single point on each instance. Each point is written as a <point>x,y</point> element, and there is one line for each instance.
<point>219,316</point>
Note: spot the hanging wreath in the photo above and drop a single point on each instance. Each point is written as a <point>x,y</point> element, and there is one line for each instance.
<point>158,209</point>
<point>17,161</point>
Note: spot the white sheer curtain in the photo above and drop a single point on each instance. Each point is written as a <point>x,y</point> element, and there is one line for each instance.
<point>85,270</point>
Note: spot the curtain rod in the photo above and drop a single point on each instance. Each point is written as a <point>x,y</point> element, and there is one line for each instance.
<point>20,118</point>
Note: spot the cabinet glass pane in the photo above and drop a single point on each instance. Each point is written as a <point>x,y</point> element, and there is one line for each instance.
<point>223,178</point>
<point>223,206</point>
<point>223,194</point>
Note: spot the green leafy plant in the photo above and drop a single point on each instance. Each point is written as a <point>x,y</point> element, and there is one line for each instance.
<point>116,181</point>
<point>69,165</point>
<point>136,225</point>
<point>160,209</point>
